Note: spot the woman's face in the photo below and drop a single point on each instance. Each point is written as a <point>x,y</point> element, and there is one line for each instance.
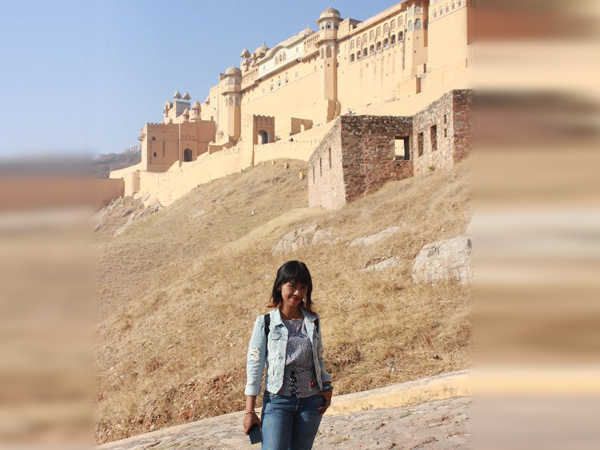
<point>293,293</point>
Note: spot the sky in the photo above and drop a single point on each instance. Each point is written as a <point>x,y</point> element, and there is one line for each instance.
<point>83,77</point>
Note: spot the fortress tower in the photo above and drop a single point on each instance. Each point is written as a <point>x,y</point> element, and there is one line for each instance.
<point>329,22</point>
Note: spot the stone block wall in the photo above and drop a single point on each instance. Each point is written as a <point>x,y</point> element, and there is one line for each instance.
<point>326,186</point>
<point>445,128</point>
<point>369,158</point>
<point>357,157</point>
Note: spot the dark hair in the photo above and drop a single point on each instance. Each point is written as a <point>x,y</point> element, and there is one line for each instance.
<point>292,271</point>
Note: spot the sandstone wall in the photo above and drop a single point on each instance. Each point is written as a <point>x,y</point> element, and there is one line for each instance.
<point>285,149</point>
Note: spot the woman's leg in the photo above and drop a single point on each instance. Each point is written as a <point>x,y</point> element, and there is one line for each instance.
<point>306,422</point>
<point>277,421</point>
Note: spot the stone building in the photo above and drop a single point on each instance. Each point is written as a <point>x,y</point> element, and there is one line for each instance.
<point>361,153</point>
<point>283,99</point>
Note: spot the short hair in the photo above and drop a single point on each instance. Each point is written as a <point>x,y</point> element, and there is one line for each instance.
<point>292,271</point>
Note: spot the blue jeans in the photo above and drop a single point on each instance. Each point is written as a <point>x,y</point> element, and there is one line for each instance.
<point>290,423</point>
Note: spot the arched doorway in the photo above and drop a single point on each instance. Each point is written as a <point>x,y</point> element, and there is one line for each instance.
<point>263,137</point>
<point>187,155</point>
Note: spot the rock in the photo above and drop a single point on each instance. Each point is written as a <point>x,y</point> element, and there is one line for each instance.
<point>127,212</point>
<point>444,260</point>
<point>390,262</point>
<point>154,206</point>
<point>294,240</point>
<point>132,218</point>
<point>197,214</point>
<point>369,240</point>
<point>323,237</point>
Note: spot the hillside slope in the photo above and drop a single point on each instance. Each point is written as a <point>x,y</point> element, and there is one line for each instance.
<point>178,293</point>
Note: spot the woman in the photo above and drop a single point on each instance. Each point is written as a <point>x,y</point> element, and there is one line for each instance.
<point>297,387</point>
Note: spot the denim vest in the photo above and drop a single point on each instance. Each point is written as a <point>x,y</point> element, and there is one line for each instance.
<point>274,359</point>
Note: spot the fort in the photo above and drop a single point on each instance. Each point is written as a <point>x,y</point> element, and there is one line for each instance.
<point>362,102</point>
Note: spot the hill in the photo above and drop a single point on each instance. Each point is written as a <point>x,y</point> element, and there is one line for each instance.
<point>102,165</point>
<point>178,292</point>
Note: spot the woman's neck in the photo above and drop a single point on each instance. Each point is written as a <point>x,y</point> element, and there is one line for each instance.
<point>290,313</point>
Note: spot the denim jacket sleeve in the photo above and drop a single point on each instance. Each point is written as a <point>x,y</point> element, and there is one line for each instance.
<point>325,376</point>
<point>255,360</point>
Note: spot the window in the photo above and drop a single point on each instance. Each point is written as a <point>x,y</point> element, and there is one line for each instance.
<point>453,6</point>
<point>445,132</point>
<point>402,147</point>
<point>364,38</point>
<point>372,49</point>
<point>445,118</point>
<point>153,138</point>
<point>187,155</point>
<point>351,44</point>
<point>386,29</point>
<point>372,34</point>
<point>410,25</point>
<point>330,157</point>
<point>435,14</point>
<point>385,43</point>
<point>313,174</point>
<point>352,57</point>
<point>393,25</point>
<point>447,9</point>
<point>433,136</point>
<point>379,46</point>
<point>420,140</point>
<point>378,31</point>
<point>418,24</point>
<point>358,55</point>
<point>358,41</point>
<point>154,154</point>
<point>393,39</point>
<point>320,167</point>
<point>365,51</point>
<point>401,36</point>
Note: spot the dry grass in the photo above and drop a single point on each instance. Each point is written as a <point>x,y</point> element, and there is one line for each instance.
<point>178,294</point>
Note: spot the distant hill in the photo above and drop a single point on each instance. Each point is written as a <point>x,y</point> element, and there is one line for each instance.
<point>102,165</point>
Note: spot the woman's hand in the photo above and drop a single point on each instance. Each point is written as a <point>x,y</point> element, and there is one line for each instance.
<point>327,395</point>
<point>249,420</point>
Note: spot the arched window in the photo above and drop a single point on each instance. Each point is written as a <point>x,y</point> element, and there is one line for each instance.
<point>371,34</point>
<point>435,14</point>
<point>351,44</point>
<point>372,49</point>
<point>365,51</point>
<point>379,46</point>
<point>453,6</point>
<point>418,24</point>
<point>393,39</point>
<point>386,43</point>
<point>187,155</point>
<point>447,9</point>
<point>393,24</point>
<point>378,31</point>
<point>364,38</point>
<point>401,36</point>
<point>358,41</point>
<point>329,53</point>
<point>400,21</point>
<point>441,10</point>
<point>459,3</point>
<point>386,29</point>
<point>410,25</point>
<point>358,55</point>
<point>352,57</point>
<point>263,137</point>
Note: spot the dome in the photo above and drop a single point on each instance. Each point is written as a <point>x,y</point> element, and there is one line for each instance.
<point>196,104</point>
<point>261,50</point>
<point>167,106</point>
<point>306,32</point>
<point>330,13</point>
<point>177,95</point>
<point>233,71</point>
<point>245,53</point>
<point>186,96</point>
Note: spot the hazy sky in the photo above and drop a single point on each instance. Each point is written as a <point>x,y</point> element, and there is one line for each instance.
<point>85,76</point>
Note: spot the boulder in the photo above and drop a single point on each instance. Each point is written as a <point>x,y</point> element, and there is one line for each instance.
<point>323,237</point>
<point>373,238</point>
<point>444,260</point>
<point>294,240</point>
<point>390,262</point>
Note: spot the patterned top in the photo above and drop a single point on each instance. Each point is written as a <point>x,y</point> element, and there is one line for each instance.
<point>299,378</point>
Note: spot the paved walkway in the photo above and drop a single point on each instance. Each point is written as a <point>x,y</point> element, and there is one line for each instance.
<point>438,424</point>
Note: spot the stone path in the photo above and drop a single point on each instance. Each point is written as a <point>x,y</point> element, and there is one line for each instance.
<point>438,424</point>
